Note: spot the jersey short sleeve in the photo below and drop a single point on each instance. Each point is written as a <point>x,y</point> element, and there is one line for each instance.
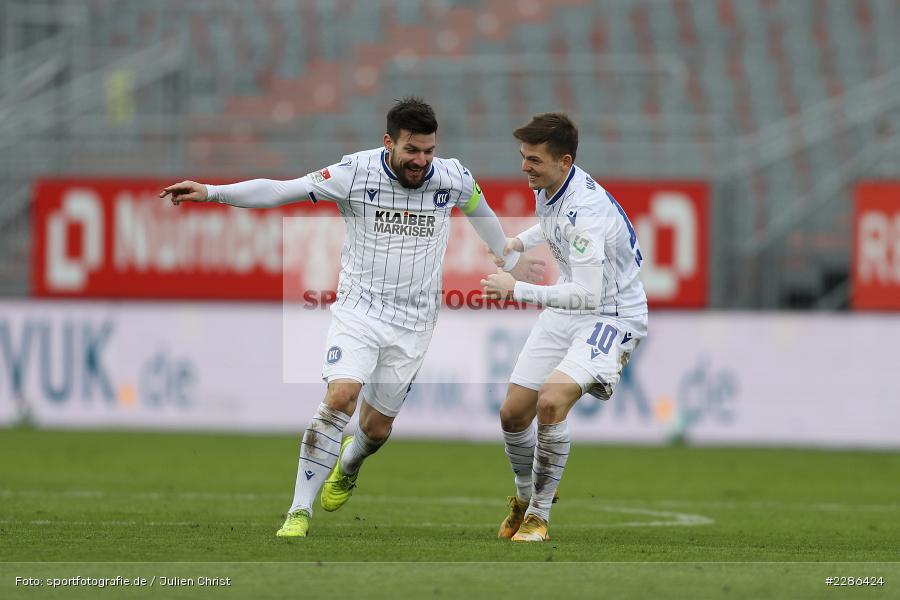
<point>333,182</point>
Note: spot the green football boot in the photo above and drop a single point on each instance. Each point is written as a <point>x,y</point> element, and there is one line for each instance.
<point>338,487</point>
<point>295,525</point>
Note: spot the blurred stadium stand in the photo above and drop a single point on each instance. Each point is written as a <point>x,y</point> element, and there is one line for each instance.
<point>781,104</point>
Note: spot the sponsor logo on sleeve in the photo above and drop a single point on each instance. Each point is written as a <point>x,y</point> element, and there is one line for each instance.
<point>320,176</point>
<point>583,246</point>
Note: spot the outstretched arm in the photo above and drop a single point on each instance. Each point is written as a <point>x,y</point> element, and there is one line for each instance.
<point>486,223</point>
<point>256,193</point>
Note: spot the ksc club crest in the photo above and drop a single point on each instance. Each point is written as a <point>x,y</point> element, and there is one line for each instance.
<point>441,198</point>
<point>333,355</point>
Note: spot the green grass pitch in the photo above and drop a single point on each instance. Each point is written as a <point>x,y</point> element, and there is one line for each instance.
<point>633,522</point>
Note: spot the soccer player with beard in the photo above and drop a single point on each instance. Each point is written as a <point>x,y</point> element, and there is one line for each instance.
<point>595,316</point>
<point>396,202</point>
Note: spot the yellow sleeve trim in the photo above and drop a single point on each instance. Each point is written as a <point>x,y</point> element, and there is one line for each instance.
<point>473,200</point>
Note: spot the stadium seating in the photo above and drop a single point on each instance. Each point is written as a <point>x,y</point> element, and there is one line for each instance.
<point>663,88</point>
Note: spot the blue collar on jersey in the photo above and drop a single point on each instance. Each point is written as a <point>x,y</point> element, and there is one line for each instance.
<point>387,169</point>
<point>562,190</point>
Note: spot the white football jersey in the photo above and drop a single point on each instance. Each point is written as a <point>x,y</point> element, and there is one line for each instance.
<point>395,238</point>
<point>583,224</point>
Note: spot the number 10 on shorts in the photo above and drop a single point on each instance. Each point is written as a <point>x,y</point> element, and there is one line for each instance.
<point>601,338</point>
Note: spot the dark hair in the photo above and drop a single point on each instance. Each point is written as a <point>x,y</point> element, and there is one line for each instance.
<point>556,129</point>
<point>413,115</point>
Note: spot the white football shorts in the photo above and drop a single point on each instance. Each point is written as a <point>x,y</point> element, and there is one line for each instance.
<point>591,349</point>
<point>382,356</point>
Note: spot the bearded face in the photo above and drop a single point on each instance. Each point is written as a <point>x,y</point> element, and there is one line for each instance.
<point>410,156</point>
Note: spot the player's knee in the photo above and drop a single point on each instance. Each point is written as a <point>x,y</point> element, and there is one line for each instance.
<point>513,420</point>
<point>550,405</point>
<point>342,396</point>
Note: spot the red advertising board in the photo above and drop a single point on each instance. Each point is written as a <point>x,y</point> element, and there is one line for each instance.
<point>117,239</point>
<point>876,246</point>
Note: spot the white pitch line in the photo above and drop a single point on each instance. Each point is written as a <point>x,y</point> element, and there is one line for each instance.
<point>676,518</point>
<point>383,524</point>
<point>662,518</point>
<point>818,506</point>
<point>459,500</point>
<point>146,495</point>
